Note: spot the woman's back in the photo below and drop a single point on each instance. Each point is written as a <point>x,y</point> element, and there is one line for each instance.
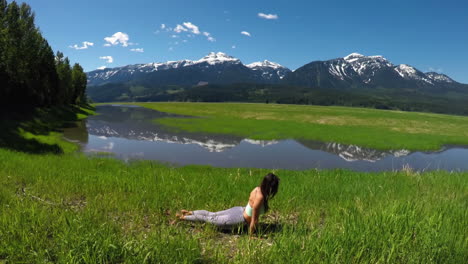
<point>255,202</point>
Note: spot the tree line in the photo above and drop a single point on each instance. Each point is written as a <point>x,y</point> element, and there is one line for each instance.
<point>30,73</point>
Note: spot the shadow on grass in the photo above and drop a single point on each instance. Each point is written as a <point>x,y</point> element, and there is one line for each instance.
<point>15,120</point>
<point>262,229</point>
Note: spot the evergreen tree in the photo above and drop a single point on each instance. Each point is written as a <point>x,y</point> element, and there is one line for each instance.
<point>30,73</point>
<point>47,73</point>
<point>79,81</point>
<point>3,45</point>
<point>64,78</point>
<point>12,43</point>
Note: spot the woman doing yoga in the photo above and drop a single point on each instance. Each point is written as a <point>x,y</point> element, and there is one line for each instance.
<point>257,205</point>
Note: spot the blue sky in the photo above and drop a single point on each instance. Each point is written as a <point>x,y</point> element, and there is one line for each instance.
<point>429,35</point>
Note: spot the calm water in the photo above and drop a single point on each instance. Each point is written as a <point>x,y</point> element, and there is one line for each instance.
<point>129,133</point>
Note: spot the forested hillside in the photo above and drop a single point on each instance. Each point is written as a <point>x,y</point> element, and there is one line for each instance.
<point>406,100</point>
<point>30,73</point>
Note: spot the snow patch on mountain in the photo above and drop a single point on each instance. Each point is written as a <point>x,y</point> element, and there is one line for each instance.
<point>217,58</point>
<point>264,63</point>
<point>406,71</point>
<point>353,57</point>
<point>357,64</point>
<point>365,65</point>
<point>438,77</point>
<point>269,69</point>
<point>410,73</point>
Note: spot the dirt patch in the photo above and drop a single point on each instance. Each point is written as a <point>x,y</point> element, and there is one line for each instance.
<point>77,203</point>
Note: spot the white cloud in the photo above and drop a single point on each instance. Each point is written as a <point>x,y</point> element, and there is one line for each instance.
<point>101,68</point>
<point>163,28</point>
<point>108,59</point>
<point>192,31</point>
<point>107,45</point>
<point>233,46</point>
<point>192,28</point>
<point>209,37</point>
<point>180,28</point>
<point>137,50</point>
<point>117,38</point>
<point>245,33</point>
<point>171,48</point>
<point>268,16</point>
<point>439,70</point>
<point>184,41</point>
<point>86,44</point>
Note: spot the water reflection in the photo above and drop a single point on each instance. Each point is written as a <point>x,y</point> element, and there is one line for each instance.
<point>352,152</point>
<point>130,132</point>
<point>137,124</point>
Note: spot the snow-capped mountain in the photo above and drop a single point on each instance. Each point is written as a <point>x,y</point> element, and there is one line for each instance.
<point>355,79</point>
<point>268,70</point>
<point>217,58</point>
<point>357,70</point>
<point>213,68</point>
<point>438,77</point>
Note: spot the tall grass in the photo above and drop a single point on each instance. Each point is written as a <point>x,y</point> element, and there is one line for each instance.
<point>77,209</point>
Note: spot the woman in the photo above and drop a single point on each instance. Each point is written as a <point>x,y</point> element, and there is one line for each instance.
<point>257,205</point>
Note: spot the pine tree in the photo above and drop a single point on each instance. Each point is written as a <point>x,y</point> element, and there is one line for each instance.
<point>30,73</point>
<point>12,43</point>
<point>3,74</point>
<point>79,81</point>
<point>64,79</point>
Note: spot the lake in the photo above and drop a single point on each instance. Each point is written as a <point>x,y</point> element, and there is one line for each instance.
<point>129,132</point>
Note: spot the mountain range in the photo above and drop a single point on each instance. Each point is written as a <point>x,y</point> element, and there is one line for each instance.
<point>356,70</point>
<point>218,68</point>
<point>356,79</point>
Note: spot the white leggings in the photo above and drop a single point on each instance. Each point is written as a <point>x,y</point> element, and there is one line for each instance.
<point>223,219</point>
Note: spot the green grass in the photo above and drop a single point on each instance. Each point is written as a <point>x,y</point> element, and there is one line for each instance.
<point>40,130</point>
<point>379,129</point>
<point>76,209</point>
<point>72,208</point>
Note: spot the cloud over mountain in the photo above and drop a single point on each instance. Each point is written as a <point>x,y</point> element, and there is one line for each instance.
<point>108,59</point>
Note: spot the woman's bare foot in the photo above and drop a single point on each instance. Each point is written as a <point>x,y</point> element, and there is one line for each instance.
<point>180,216</point>
<point>185,212</point>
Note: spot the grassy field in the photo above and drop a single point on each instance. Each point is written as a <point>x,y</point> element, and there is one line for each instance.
<point>77,209</point>
<point>65,207</point>
<point>371,128</point>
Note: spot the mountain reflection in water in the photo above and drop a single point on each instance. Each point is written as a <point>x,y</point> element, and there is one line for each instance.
<point>130,132</point>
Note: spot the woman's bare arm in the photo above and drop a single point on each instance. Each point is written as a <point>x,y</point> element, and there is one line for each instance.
<point>257,203</point>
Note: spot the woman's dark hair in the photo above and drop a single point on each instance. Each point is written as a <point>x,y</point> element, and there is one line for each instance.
<point>269,188</point>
